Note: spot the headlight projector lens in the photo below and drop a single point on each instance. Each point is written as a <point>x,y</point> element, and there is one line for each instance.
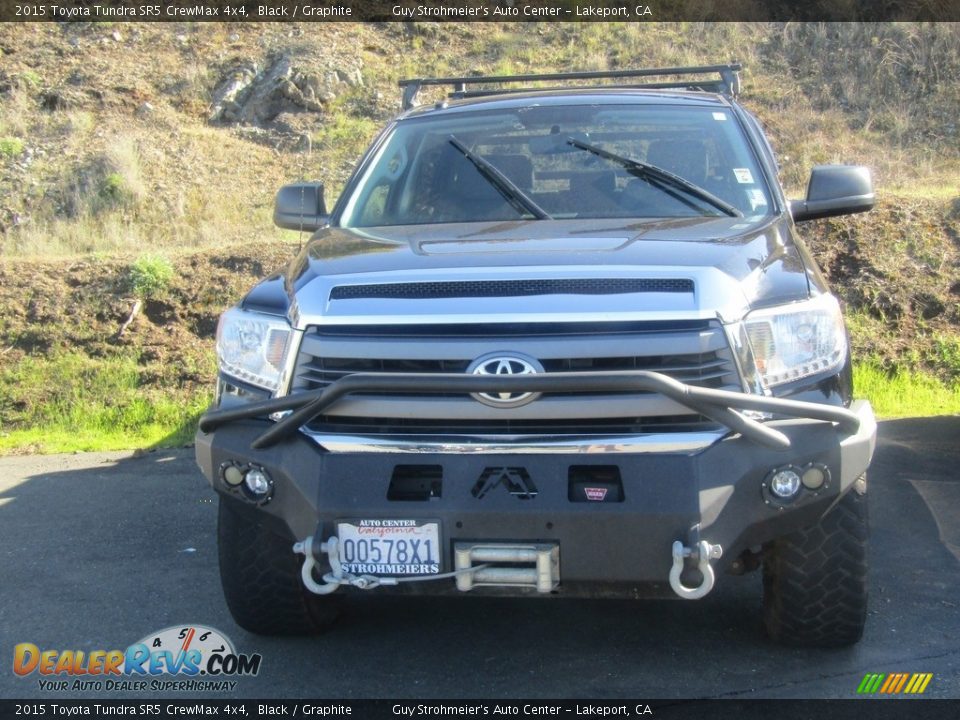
<point>785,483</point>
<point>782,486</point>
<point>258,483</point>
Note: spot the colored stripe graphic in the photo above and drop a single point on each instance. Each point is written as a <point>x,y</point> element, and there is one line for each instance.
<point>894,683</point>
<point>891,683</point>
<point>870,683</point>
<point>921,682</point>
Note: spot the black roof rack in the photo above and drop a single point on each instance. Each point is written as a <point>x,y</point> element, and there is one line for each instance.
<point>727,82</point>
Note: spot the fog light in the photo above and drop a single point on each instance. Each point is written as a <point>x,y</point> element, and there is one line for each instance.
<point>815,476</point>
<point>257,482</point>
<point>785,483</point>
<point>232,475</point>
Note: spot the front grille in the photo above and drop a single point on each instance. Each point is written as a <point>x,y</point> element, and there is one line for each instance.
<point>693,352</point>
<point>702,369</point>
<point>511,288</point>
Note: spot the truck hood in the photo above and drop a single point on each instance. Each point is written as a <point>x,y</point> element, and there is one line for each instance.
<point>733,265</point>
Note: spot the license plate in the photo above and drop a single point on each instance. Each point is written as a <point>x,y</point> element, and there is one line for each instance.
<point>389,547</point>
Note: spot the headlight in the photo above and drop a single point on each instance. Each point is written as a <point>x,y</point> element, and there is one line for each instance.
<point>791,342</point>
<point>251,347</point>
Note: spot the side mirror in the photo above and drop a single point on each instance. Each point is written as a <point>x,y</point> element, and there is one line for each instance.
<point>300,207</point>
<point>835,190</point>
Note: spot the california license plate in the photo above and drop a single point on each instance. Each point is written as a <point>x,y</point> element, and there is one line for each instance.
<point>389,547</point>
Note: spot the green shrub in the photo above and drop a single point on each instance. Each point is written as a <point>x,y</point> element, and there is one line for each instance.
<point>31,78</point>
<point>150,275</point>
<point>113,187</point>
<point>11,147</point>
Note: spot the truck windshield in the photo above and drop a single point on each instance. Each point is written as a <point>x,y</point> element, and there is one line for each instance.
<point>419,177</point>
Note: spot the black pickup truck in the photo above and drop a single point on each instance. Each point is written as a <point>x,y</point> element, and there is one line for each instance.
<point>558,340</point>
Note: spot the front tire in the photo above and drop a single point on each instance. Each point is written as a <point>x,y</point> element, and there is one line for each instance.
<point>815,579</point>
<point>261,581</point>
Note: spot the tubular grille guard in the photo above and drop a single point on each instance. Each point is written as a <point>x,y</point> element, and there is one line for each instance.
<point>718,405</point>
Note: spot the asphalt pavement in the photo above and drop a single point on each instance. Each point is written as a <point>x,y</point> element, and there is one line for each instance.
<point>100,550</point>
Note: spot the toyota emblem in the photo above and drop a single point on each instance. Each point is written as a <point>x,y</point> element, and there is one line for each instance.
<point>505,364</point>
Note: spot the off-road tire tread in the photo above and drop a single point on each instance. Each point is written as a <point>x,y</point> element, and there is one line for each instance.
<point>261,581</point>
<point>815,579</point>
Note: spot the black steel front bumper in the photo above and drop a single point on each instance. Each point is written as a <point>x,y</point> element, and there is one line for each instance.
<point>716,493</point>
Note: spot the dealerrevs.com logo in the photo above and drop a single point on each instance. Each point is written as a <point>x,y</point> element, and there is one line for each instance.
<point>189,658</point>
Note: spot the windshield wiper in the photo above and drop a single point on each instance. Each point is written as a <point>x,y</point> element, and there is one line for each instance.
<point>658,177</point>
<point>514,195</point>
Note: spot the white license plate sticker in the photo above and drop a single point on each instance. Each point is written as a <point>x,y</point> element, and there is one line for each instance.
<point>389,547</point>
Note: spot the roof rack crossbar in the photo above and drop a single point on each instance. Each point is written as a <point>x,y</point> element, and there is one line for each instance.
<point>708,86</point>
<point>729,82</point>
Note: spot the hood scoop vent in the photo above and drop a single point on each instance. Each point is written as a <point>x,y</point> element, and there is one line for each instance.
<point>475,245</point>
<point>511,288</point>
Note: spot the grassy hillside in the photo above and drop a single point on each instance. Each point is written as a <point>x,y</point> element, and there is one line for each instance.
<point>112,174</point>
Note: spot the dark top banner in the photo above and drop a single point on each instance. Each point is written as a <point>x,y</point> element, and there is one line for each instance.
<point>490,709</point>
<point>476,10</point>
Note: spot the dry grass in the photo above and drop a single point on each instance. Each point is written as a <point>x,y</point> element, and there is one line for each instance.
<point>173,181</point>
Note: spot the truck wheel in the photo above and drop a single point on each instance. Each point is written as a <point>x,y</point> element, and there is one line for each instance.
<point>261,581</point>
<point>815,580</point>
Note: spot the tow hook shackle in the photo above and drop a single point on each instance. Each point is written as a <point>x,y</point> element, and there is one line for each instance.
<point>331,580</point>
<point>306,548</point>
<point>701,553</point>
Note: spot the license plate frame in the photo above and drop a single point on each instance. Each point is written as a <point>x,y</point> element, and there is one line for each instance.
<point>390,547</point>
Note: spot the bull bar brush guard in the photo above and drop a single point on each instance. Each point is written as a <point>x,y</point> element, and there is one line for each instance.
<point>721,406</point>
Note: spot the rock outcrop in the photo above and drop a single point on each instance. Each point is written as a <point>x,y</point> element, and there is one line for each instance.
<point>251,95</point>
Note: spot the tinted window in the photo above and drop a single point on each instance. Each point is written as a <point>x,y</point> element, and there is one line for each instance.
<point>419,176</point>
